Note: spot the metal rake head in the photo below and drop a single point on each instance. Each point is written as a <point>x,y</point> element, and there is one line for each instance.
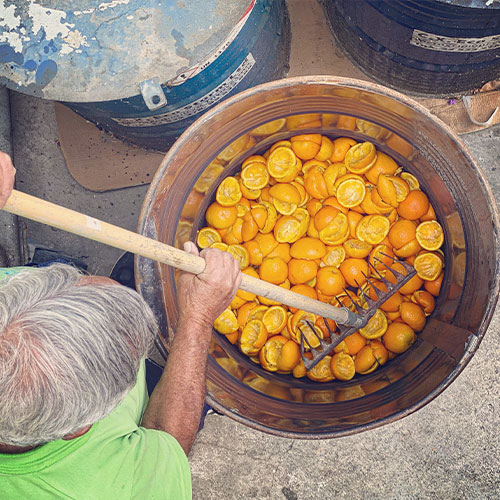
<point>322,347</point>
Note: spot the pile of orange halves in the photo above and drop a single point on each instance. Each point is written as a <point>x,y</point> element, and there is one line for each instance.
<point>309,215</point>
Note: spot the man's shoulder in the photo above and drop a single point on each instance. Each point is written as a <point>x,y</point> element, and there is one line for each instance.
<point>140,463</point>
<point>153,460</point>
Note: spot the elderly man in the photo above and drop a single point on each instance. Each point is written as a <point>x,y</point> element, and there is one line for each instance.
<point>75,421</point>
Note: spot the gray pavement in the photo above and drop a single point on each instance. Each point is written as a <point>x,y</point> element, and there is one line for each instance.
<point>42,172</point>
<point>11,249</point>
<point>449,449</point>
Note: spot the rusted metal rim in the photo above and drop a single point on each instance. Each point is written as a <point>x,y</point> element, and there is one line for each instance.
<point>494,289</point>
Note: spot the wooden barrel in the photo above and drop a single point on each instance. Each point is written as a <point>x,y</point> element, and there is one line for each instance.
<point>424,47</point>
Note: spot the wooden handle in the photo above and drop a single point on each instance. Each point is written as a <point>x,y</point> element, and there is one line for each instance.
<point>74,222</point>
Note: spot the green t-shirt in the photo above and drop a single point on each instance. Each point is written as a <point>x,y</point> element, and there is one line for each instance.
<point>115,459</point>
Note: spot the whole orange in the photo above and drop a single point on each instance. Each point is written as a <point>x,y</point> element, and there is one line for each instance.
<point>414,206</point>
<point>402,232</point>
<point>355,271</point>
<point>354,343</point>
<point>413,315</point>
<point>301,270</point>
<point>274,270</point>
<point>330,281</point>
<point>308,248</point>
<point>399,337</point>
<point>221,217</point>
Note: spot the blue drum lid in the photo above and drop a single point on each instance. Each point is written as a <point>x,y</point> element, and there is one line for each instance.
<point>98,50</point>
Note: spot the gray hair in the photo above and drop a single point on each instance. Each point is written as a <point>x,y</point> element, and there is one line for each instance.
<point>68,353</point>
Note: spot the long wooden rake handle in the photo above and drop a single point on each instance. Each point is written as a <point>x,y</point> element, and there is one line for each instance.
<point>74,222</point>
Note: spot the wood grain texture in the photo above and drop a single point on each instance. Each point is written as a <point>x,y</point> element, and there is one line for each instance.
<point>42,211</point>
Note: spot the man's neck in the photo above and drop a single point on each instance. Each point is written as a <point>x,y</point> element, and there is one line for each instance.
<point>14,450</point>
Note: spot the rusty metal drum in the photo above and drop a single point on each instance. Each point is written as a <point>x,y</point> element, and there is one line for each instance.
<point>185,183</point>
<point>424,47</point>
<point>141,69</point>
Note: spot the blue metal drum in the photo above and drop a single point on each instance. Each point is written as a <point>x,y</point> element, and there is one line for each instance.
<point>141,69</point>
<point>425,47</point>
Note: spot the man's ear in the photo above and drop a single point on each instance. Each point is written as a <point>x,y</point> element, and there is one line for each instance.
<point>76,434</point>
<point>96,280</point>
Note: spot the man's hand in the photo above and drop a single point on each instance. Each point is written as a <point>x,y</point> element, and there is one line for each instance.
<point>204,296</point>
<point>7,173</point>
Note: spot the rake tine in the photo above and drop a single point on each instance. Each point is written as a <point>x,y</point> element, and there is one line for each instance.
<point>359,286</point>
<point>384,280</point>
<point>308,323</point>
<point>374,268</point>
<point>338,301</point>
<point>356,306</point>
<point>322,342</point>
<point>382,262</point>
<point>368,281</point>
<point>408,268</point>
<point>311,326</point>
<point>366,277</point>
<point>367,298</point>
<point>302,348</point>
<point>388,256</point>
<point>397,273</point>
<point>303,339</point>
<point>388,284</point>
<point>330,331</point>
<point>376,288</point>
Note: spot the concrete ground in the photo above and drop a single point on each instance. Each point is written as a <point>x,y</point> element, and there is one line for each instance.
<point>450,449</point>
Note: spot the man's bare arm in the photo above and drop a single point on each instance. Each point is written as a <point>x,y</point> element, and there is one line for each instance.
<point>7,173</point>
<point>177,401</point>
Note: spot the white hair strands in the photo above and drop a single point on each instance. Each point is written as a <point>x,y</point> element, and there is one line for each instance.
<point>68,352</point>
